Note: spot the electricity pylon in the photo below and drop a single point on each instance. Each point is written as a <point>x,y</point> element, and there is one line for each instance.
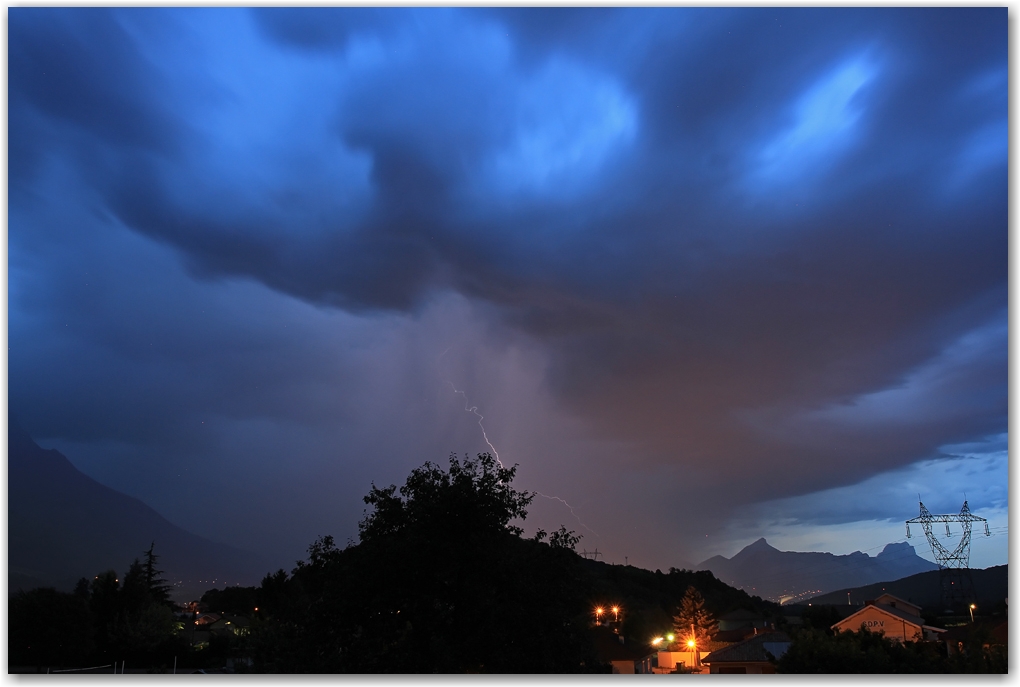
<point>954,566</point>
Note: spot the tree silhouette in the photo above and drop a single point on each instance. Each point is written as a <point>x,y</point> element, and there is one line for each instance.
<point>440,582</point>
<point>474,495</point>
<point>158,589</point>
<point>692,612</point>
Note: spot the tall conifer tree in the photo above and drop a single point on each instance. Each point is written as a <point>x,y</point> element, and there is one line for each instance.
<point>692,611</point>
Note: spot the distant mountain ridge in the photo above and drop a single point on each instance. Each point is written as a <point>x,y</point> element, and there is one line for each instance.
<point>762,570</point>
<point>63,525</point>
<point>991,586</point>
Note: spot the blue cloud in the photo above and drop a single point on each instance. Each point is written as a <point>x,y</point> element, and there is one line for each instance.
<point>826,123</point>
<point>569,123</point>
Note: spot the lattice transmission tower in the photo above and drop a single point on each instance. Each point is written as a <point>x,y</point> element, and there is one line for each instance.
<point>954,566</point>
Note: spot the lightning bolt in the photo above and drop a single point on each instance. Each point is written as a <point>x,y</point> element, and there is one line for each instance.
<point>571,509</point>
<point>474,410</point>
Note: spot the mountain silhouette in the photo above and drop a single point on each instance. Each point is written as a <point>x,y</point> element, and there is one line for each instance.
<point>763,570</point>
<point>991,586</point>
<point>63,525</point>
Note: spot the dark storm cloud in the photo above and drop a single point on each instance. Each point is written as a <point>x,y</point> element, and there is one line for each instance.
<point>83,68</point>
<point>725,229</point>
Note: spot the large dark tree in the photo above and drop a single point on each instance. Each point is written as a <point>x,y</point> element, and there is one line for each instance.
<point>441,581</point>
<point>693,614</point>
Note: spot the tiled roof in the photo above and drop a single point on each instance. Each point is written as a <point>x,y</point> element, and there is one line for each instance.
<point>896,601</point>
<point>753,649</point>
<point>895,612</point>
<point>741,614</point>
<point>730,636</point>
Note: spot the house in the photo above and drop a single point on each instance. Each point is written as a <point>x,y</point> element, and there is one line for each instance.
<point>733,636</point>
<point>741,618</point>
<point>229,624</point>
<point>891,616</point>
<point>753,655</point>
<point>626,658</point>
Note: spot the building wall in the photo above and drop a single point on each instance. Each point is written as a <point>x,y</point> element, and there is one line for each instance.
<point>623,667</point>
<point>750,668</point>
<point>670,659</point>
<point>877,621</point>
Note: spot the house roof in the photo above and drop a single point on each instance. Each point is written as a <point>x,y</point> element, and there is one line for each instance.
<point>887,599</point>
<point>910,618</point>
<point>755,649</point>
<point>730,636</point>
<point>741,614</point>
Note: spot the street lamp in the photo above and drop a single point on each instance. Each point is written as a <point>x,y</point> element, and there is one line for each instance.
<point>616,613</point>
<point>598,615</point>
<point>972,607</point>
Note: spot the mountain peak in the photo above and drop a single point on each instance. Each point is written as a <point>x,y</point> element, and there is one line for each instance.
<point>760,545</point>
<point>897,549</point>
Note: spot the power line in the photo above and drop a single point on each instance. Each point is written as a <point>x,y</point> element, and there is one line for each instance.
<point>954,566</point>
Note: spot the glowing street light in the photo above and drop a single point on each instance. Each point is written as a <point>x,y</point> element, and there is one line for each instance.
<point>616,613</point>
<point>972,607</point>
<point>598,614</point>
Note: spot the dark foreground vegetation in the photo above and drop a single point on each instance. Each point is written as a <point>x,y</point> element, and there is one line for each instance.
<point>104,621</point>
<point>822,651</point>
<point>442,580</point>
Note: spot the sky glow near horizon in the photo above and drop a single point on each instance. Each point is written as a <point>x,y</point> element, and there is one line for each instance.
<point>708,274</point>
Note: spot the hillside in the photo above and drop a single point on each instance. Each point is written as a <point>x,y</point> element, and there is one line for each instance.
<point>990,584</point>
<point>63,525</point>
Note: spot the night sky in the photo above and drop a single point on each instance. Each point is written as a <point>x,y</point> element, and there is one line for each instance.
<point>708,275</point>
